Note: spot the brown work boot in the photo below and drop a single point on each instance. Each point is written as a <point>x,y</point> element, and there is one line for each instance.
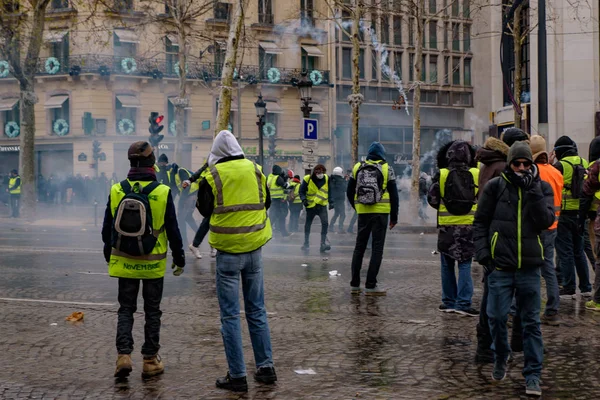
<point>152,366</point>
<point>124,366</point>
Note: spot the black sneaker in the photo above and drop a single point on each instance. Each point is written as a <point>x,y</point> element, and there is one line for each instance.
<point>566,293</point>
<point>305,246</point>
<point>325,247</point>
<point>484,356</point>
<point>552,320</point>
<point>469,312</point>
<point>499,372</point>
<point>532,388</point>
<point>445,308</point>
<point>265,375</point>
<point>233,384</point>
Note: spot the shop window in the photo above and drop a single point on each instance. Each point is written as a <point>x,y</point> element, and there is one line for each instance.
<point>171,117</point>
<point>125,111</point>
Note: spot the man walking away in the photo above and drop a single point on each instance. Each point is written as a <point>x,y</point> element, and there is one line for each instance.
<point>140,254</point>
<point>554,178</point>
<point>277,185</point>
<point>454,194</point>
<point>315,193</point>
<point>372,193</point>
<point>14,190</point>
<point>512,212</point>
<point>295,203</point>
<point>203,228</point>
<point>187,203</point>
<point>338,195</point>
<point>570,237</point>
<point>424,186</point>
<point>239,227</point>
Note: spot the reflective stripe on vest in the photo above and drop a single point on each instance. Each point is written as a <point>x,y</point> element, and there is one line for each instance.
<point>153,265</point>
<point>568,202</point>
<point>316,195</point>
<point>239,222</point>
<point>11,183</point>
<point>383,206</point>
<point>445,218</point>
<point>275,190</point>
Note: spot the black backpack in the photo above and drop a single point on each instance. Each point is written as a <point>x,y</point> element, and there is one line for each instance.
<point>132,225</point>
<point>577,179</point>
<point>459,193</point>
<point>369,183</point>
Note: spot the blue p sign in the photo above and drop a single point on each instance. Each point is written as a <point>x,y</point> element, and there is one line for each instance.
<point>311,127</point>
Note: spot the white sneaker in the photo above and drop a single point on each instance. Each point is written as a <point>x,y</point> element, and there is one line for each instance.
<point>195,251</point>
<point>213,252</point>
<point>587,295</point>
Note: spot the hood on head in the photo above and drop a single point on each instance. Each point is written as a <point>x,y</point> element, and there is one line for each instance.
<point>225,145</point>
<point>496,144</point>
<point>338,171</point>
<point>512,135</point>
<point>595,149</point>
<point>276,170</point>
<point>538,147</point>
<point>376,152</point>
<point>564,147</point>
<point>460,153</point>
<point>442,159</point>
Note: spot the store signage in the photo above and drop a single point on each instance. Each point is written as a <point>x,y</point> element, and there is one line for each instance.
<point>16,148</point>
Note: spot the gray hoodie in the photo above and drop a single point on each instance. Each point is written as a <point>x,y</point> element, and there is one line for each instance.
<point>225,145</point>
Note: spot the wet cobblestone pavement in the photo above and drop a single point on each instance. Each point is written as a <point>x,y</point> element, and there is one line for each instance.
<point>393,347</point>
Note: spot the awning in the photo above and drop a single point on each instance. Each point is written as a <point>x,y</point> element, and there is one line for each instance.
<point>55,101</point>
<point>316,109</point>
<point>173,39</point>
<point>270,48</point>
<point>274,108</point>
<point>172,101</point>
<point>8,104</point>
<point>128,101</point>
<point>127,36</point>
<point>55,36</point>
<point>313,51</point>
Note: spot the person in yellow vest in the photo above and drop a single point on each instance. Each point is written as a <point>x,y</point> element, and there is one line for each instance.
<point>204,225</point>
<point>455,231</point>
<point>295,203</point>
<point>570,238</point>
<point>277,185</point>
<point>14,190</point>
<point>234,195</point>
<point>165,173</point>
<point>148,264</point>
<point>315,193</point>
<point>373,194</point>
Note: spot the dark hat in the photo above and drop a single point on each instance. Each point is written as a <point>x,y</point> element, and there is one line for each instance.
<point>321,167</point>
<point>512,135</point>
<point>140,154</point>
<point>163,158</point>
<point>563,145</point>
<point>14,171</point>
<point>595,149</point>
<point>519,150</point>
<point>376,151</point>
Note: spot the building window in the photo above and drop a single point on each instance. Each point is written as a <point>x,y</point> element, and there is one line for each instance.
<point>171,117</point>
<point>455,8</point>
<point>123,49</point>
<point>123,112</point>
<point>220,53</point>
<point>467,68</point>
<point>347,63</point>
<point>433,34</point>
<point>398,63</point>
<point>222,11</point>
<point>346,21</point>
<point>385,29</point>
<point>59,109</point>
<point>455,37</point>
<point>432,6</point>
<point>445,36</point>
<point>9,114</point>
<point>411,67</point>
<point>433,74</point>
<point>446,70</point>
<point>456,71</point>
<point>273,118</point>
<point>467,8</point>
<point>466,38</point>
<point>374,65</point>
<point>361,63</point>
<point>172,52</point>
<point>423,70</point>
<point>265,12</point>
<point>59,4</point>
<point>397,31</point>
<point>60,50</point>
<point>308,62</point>
<point>411,32</point>
<point>306,12</point>
<point>266,61</point>
<point>123,6</point>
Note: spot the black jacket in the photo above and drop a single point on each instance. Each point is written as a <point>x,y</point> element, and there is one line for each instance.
<point>497,227</point>
<point>171,229</point>
<point>338,188</point>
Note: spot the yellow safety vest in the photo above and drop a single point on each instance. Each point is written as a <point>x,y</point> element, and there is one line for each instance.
<point>383,206</point>
<point>239,222</point>
<point>150,266</point>
<point>275,190</point>
<point>12,182</point>
<point>568,202</point>
<point>316,195</point>
<point>296,191</point>
<point>444,217</point>
<point>192,188</point>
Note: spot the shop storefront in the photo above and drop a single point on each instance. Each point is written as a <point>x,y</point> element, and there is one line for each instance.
<point>50,159</point>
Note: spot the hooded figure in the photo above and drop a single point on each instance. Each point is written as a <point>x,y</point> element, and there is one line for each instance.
<point>224,146</point>
<point>338,192</point>
<point>492,157</point>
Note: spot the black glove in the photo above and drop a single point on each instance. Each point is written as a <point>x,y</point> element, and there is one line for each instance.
<point>107,251</point>
<point>330,206</point>
<point>179,261</point>
<point>305,203</point>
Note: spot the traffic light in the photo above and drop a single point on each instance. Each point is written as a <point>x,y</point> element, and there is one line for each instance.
<point>96,150</point>
<point>155,128</point>
<point>272,146</point>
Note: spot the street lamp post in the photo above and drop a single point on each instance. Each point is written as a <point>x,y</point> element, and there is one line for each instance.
<point>305,89</point>
<point>261,109</point>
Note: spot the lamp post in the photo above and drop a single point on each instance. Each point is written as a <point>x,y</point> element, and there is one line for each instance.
<point>261,109</point>
<point>305,89</point>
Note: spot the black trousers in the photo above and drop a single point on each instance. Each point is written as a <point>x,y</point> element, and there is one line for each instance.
<point>375,225</point>
<point>311,213</point>
<point>339,212</point>
<point>185,215</point>
<point>295,209</point>
<point>15,204</point>
<point>278,215</point>
<point>152,294</point>
<point>201,232</point>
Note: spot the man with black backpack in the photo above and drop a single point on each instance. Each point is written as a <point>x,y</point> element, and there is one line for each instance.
<point>139,220</point>
<point>372,193</point>
<point>570,235</point>
<point>454,194</point>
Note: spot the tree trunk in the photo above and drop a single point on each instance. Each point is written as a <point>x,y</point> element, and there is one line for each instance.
<point>182,101</point>
<point>27,159</point>
<point>235,31</point>
<point>355,99</point>
<point>517,40</point>
<point>416,149</point>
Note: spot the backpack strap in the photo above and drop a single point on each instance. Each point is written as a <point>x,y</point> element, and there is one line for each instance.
<point>149,188</point>
<point>126,186</point>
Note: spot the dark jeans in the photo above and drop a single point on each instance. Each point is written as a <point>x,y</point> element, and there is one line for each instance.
<point>339,212</point>
<point>201,232</point>
<point>484,337</point>
<point>369,224</point>
<point>423,208</point>
<point>549,273</point>
<point>185,213</point>
<point>15,204</point>
<point>587,245</point>
<point>570,251</point>
<point>597,263</point>
<point>295,209</point>
<point>152,294</point>
<point>352,222</point>
<point>456,295</point>
<point>278,215</point>
<point>311,213</point>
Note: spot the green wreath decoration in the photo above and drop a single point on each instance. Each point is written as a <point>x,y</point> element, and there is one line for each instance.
<point>129,65</point>
<point>316,77</point>
<point>52,65</point>
<point>269,129</point>
<point>176,66</point>
<point>12,129</point>
<point>61,127</point>
<point>235,73</point>
<point>274,75</point>
<point>130,126</point>
<point>4,69</point>
<point>173,128</point>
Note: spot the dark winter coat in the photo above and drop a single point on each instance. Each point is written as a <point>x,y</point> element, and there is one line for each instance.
<point>492,157</point>
<point>337,186</point>
<point>591,184</point>
<point>455,241</point>
<point>509,220</point>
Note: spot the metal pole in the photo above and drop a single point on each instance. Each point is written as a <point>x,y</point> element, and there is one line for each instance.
<point>306,114</point>
<point>95,212</point>
<point>542,65</point>
<point>261,158</point>
<point>239,113</point>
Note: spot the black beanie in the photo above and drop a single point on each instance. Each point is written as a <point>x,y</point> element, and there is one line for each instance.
<point>163,158</point>
<point>512,135</point>
<point>518,150</point>
<point>595,149</point>
<point>563,145</point>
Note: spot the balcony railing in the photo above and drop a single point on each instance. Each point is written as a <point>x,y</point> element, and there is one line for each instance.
<point>158,68</point>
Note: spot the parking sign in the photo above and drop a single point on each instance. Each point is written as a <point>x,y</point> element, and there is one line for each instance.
<point>311,127</point>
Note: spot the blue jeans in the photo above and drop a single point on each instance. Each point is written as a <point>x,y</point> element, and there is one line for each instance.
<point>453,296</point>
<point>229,269</point>
<point>549,273</point>
<point>525,285</point>
<point>569,247</point>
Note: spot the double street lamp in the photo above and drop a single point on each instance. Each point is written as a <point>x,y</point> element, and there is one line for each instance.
<point>261,110</point>
<point>305,89</point>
